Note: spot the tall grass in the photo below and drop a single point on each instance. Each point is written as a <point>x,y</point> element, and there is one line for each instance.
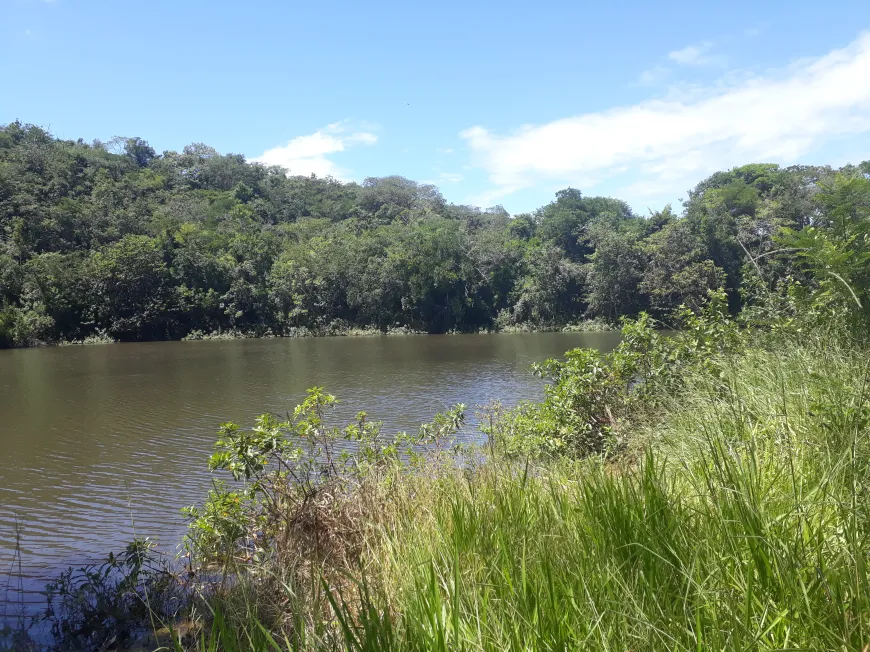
<point>743,527</point>
<point>740,522</point>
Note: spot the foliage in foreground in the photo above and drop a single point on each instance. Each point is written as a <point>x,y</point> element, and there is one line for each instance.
<point>593,399</point>
<point>744,525</point>
<point>106,604</point>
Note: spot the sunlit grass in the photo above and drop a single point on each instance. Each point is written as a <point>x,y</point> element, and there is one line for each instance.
<point>742,525</point>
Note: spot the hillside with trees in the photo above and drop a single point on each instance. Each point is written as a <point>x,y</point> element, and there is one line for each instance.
<point>115,241</point>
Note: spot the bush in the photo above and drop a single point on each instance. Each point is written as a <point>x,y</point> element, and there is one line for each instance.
<point>101,605</point>
<point>740,527</point>
<point>592,397</point>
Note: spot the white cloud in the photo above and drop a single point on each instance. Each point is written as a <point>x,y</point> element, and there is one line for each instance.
<point>444,150</point>
<point>363,137</point>
<point>697,56</point>
<point>445,177</point>
<point>693,55</point>
<point>655,75</point>
<point>669,144</point>
<point>309,154</point>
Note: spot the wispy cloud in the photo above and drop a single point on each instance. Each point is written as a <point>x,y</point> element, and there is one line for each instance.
<point>694,55</point>
<point>444,150</point>
<point>666,144</point>
<point>310,154</point>
<point>655,75</point>
<point>445,178</point>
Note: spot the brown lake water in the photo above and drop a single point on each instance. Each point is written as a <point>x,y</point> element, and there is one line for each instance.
<point>99,444</point>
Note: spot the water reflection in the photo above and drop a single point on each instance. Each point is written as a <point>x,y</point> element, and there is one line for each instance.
<point>103,443</point>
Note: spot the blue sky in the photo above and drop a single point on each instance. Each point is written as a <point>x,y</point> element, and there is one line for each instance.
<point>496,103</point>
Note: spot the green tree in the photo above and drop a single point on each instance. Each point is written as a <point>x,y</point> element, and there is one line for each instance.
<point>836,251</point>
<point>678,271</point>
<point>614,273</point>
<point>131,292</point>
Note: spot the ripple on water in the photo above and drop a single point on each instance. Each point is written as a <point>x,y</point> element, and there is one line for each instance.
<point>104,443</point>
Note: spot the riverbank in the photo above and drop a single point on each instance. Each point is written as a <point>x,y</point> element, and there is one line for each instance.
<point>731,519</point>
<point>594,325</point>
<point>713,502</point>
<point>138,421</point>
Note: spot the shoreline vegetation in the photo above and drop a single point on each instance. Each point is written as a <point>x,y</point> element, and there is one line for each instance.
<point>705,490</point>
<point>585,326</point>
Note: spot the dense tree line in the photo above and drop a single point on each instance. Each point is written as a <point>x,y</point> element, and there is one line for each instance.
<point>115,240</point>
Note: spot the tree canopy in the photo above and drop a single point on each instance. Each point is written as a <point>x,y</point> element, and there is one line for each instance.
<point>120,241</point>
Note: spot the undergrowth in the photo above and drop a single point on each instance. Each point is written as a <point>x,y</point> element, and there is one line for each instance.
<point>744,526</point>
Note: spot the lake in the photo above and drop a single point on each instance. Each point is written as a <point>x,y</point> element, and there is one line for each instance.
<point>103,443</point>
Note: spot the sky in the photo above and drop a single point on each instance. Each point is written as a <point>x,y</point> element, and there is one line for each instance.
<point>496,103</point>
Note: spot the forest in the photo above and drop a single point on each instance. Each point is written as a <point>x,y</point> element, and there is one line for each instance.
<point>113,241</point>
